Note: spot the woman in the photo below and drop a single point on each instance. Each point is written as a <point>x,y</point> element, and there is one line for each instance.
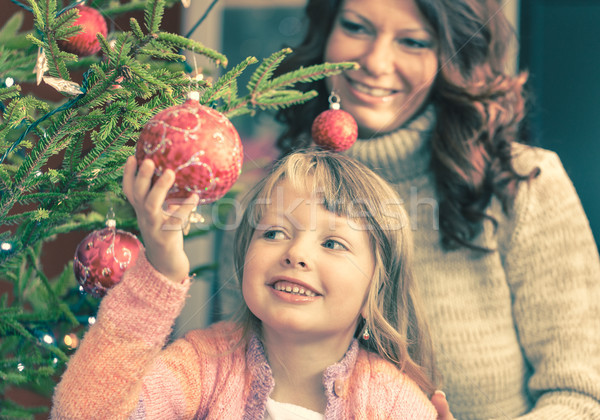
<point>505,257</point>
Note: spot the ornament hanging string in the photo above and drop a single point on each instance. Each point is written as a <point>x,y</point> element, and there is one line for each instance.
<point>23,6</point>
<point>29,9</point>
<point>191,31</point>
<point>77,3</point>
<point>63,107</point>
<point>188,68</point>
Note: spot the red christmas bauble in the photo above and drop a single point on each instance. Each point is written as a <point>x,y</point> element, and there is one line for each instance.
<point>199,144</point>
<point>85,43</point>
<point>102,257</point>
<point>334,129</point>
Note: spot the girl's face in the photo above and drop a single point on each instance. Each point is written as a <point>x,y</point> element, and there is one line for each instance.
<point>307,271</point>
<point>397,52</point>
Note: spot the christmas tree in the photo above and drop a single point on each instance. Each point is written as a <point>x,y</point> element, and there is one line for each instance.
<point>61,160</point>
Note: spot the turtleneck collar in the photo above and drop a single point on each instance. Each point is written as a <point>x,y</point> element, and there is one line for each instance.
<point>401,155</point>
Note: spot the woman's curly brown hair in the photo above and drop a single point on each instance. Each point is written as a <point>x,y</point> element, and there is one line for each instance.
<point>480,108</point>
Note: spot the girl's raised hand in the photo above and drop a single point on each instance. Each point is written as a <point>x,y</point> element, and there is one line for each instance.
<point>161,223</point>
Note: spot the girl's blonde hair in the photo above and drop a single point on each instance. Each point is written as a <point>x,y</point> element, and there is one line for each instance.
<point>398,332</point>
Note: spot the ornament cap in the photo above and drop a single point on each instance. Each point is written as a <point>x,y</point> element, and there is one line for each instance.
<point>194,95</point>
<point>110,219</point>
<point>334,101</point>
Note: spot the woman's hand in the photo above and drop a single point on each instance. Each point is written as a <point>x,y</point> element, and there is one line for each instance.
<point>438,399</point>
<point>161,223</point>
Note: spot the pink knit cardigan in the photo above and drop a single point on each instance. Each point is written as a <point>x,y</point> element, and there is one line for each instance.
<point>122,371</point>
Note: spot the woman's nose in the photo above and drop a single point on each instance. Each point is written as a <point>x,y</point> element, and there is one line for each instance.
<point>378,58</point>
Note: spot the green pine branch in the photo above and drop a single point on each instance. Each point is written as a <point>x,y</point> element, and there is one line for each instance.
<point>266,69</point>
<point>60,162</point>
<point>153,15</point>
<point>267,93</point>
<point>221,87</point>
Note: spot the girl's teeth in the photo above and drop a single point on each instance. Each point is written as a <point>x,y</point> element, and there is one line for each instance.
<point>294,289</point>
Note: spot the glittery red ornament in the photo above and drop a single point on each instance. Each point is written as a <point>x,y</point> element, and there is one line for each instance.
<point>85,43</point>
<point>102,257</point>
<point>334,129</point>
<point>197,142</point>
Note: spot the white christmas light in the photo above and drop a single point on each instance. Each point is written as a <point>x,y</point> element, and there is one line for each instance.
<point>47,338</point>
<point>91,320</point>
<point>20,367</point>
<point>5,246</point>
<point>9,81</point>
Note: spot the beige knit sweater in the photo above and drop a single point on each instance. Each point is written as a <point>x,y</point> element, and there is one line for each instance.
<point>517,331</point>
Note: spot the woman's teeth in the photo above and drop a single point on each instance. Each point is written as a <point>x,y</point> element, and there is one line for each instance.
<point>372,91</point>
<point>296,290</point>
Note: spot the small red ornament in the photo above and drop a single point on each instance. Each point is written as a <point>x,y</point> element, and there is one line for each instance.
<point>103,256</point>
<point>199,144</point>
<point>334,129</point>
<point>85,43</point>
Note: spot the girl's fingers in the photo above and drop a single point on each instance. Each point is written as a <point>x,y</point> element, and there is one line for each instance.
<point>158,193</point>
<point>143,181</point>
<point>178,213</point>
<point>174,204</point>
<point>129,176</point>
<point>149,199</point>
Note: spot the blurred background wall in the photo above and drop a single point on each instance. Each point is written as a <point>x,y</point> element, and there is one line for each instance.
<point>560,47</point>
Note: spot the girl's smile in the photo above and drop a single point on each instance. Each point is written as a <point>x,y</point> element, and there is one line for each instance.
<point>293,286</point>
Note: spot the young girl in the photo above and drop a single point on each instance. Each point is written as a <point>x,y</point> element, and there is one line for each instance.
<point>330,327</point>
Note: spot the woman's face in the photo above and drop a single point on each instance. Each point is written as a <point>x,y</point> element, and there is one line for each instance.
<point>397,52</point>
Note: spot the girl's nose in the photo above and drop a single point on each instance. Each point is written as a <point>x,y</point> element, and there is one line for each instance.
<point>295,256</point>
<point>378,58</point>
<point>293,262</point>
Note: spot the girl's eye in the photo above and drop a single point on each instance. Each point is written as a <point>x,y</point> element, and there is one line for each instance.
<point>331,244</point>
<point>273,234</point>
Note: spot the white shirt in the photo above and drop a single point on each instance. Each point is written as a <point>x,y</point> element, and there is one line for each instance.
<point>284,411</point>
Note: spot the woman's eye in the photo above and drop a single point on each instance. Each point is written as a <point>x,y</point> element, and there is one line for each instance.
<point>274,234</point>
<point>416,43</point>
<point>352,27</point>
<point>332,244</point>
